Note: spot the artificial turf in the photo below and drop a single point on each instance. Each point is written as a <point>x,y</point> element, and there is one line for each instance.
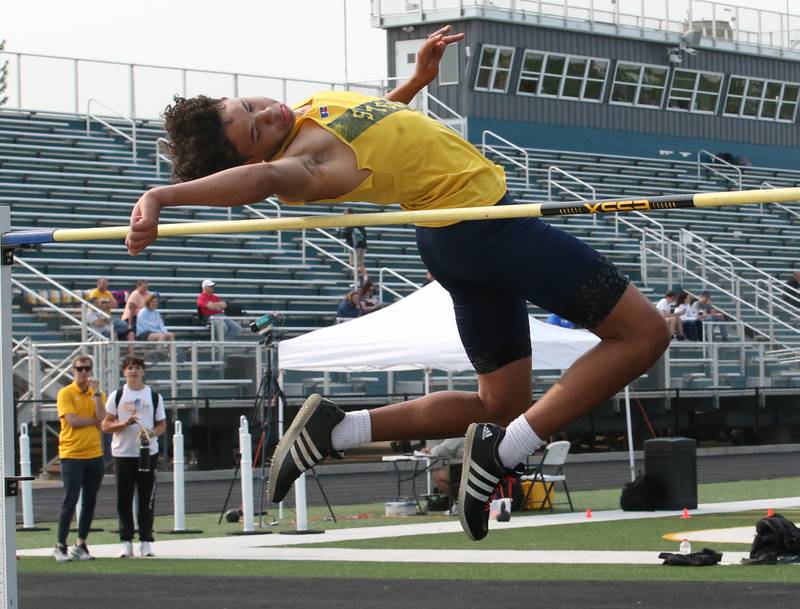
<point>543,572</point>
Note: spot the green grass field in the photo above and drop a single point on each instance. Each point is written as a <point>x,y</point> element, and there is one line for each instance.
<point>645,534</point>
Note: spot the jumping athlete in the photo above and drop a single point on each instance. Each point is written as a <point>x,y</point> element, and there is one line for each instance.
<point>341,146</point>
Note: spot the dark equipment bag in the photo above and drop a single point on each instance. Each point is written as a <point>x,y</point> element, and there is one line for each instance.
<point>637,495</point>
<point>777,541</point>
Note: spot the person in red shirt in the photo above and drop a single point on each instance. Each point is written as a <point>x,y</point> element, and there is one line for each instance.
<point>211,306</point>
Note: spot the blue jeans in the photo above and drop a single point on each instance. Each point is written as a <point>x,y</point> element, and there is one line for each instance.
<point>230,328</point>
<point>79,475</point>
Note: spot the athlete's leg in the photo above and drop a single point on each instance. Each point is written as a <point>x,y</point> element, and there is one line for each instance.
<point>502,395</point>
<point>633,337</point>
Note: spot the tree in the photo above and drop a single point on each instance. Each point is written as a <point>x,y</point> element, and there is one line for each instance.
<point>3,76</point>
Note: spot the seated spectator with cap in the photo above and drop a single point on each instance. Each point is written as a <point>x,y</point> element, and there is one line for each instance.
<point>212,307</point>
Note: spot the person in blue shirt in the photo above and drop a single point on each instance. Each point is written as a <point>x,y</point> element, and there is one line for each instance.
<point>555,320</point>
<point>149,325</point>
<point>349,307</point>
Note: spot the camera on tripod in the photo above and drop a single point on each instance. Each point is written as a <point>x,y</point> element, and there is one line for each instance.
<point>264,325</point>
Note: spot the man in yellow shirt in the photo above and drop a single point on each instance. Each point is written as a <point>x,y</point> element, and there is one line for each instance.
<point>81,408</point>
<point>101,291</point>
<point>342,146</point>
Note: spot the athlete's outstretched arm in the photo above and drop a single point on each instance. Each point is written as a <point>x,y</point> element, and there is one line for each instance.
<point>294,177</point>
<point>427,68</point>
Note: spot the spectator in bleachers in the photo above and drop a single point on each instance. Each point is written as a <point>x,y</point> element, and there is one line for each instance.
<point>149,324</point>
<point>705,311</point>
<point>356,237</point>
<point>692,327</point>
<point>555,320</point>
<point>100,291</point>
<point>212,307</point>
<point>105,322</point>
<point>349,307</point>
<point>666,306</point>
<point>367,299</point>
<point>135,303</point>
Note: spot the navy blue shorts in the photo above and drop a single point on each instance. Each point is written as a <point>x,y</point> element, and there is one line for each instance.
<point>492,268</point>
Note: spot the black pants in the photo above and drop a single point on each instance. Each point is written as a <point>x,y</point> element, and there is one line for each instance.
<point>130,479</point>
<point>79,475</point>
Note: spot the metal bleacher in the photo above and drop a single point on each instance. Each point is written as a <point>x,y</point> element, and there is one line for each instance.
<point>54,174</point>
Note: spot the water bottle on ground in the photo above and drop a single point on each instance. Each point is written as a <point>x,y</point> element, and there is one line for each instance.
<point>685,547</point>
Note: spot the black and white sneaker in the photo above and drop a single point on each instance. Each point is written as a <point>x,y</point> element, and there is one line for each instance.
<point>80,552</point>
<point>481,474</point>
<point>305,443</point>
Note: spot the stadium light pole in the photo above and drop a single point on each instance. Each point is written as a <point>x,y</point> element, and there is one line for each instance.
<point>346,77</point>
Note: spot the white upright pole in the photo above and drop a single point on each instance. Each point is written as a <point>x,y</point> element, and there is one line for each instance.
<point>630,431</point>
<point>300,502</point>
<point>8,516</point>
<point>246,467</point>
<point>280,433</point>
<point>25,470</point>
<point>177,478</point>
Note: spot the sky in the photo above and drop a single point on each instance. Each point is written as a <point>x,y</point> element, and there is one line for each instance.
<point>284,38</point>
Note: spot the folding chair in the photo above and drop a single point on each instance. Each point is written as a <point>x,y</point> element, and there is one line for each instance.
<point>553,460</point>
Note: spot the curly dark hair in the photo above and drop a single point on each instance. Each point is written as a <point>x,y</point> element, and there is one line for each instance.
<point>198,144</point>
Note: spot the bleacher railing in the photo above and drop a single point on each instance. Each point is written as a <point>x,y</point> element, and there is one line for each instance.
<point>525,166</point>
<point>709,166</point>
<point>89,116</point>
<point>720,23</point>
<point>551,182</point>
<point>692,258</point>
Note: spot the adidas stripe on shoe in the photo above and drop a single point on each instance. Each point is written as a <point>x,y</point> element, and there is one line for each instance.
<point>481,474</point>
<point>305,443</point>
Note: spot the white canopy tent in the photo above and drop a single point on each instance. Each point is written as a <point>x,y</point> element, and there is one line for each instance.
<point>417,333</point>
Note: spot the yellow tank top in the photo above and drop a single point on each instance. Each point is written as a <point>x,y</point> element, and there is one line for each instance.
<point>415,160</point>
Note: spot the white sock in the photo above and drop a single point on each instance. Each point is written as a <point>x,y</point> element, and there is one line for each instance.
<point>519,442</point>
<point>354,430</point>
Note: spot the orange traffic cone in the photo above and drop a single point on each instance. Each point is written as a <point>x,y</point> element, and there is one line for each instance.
<point>589,513</point>
<point>685,513</point>
<point>770,513</point>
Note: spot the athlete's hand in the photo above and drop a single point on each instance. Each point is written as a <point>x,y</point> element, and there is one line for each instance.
<point>431,52</point>
<point>144,223</point>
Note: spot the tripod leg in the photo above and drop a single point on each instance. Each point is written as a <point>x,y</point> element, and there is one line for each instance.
<point>230,490</point>
<point>324,496</point>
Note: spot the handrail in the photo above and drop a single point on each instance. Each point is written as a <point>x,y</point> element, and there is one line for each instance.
<point>50,280</point>
<point>780,206</point>
<point>525,167</point>
<point>159,156</point>
<point>711,257</point>
<point>684,269</point>
<point>382,287</point>
<point>89,116</point>
<point>59,310</point>
<point>709,167</point>
<point>306,241</point>
<point>551,182</point>
<point>261,214</point>
<point>457,118</point>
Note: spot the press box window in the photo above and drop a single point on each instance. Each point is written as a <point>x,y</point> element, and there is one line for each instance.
<point>494,68</point>
<point>563,76</point>
<point>448,67</point>
<point>639,85</point>
<point>762,99</point>
<point>695,91</point>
